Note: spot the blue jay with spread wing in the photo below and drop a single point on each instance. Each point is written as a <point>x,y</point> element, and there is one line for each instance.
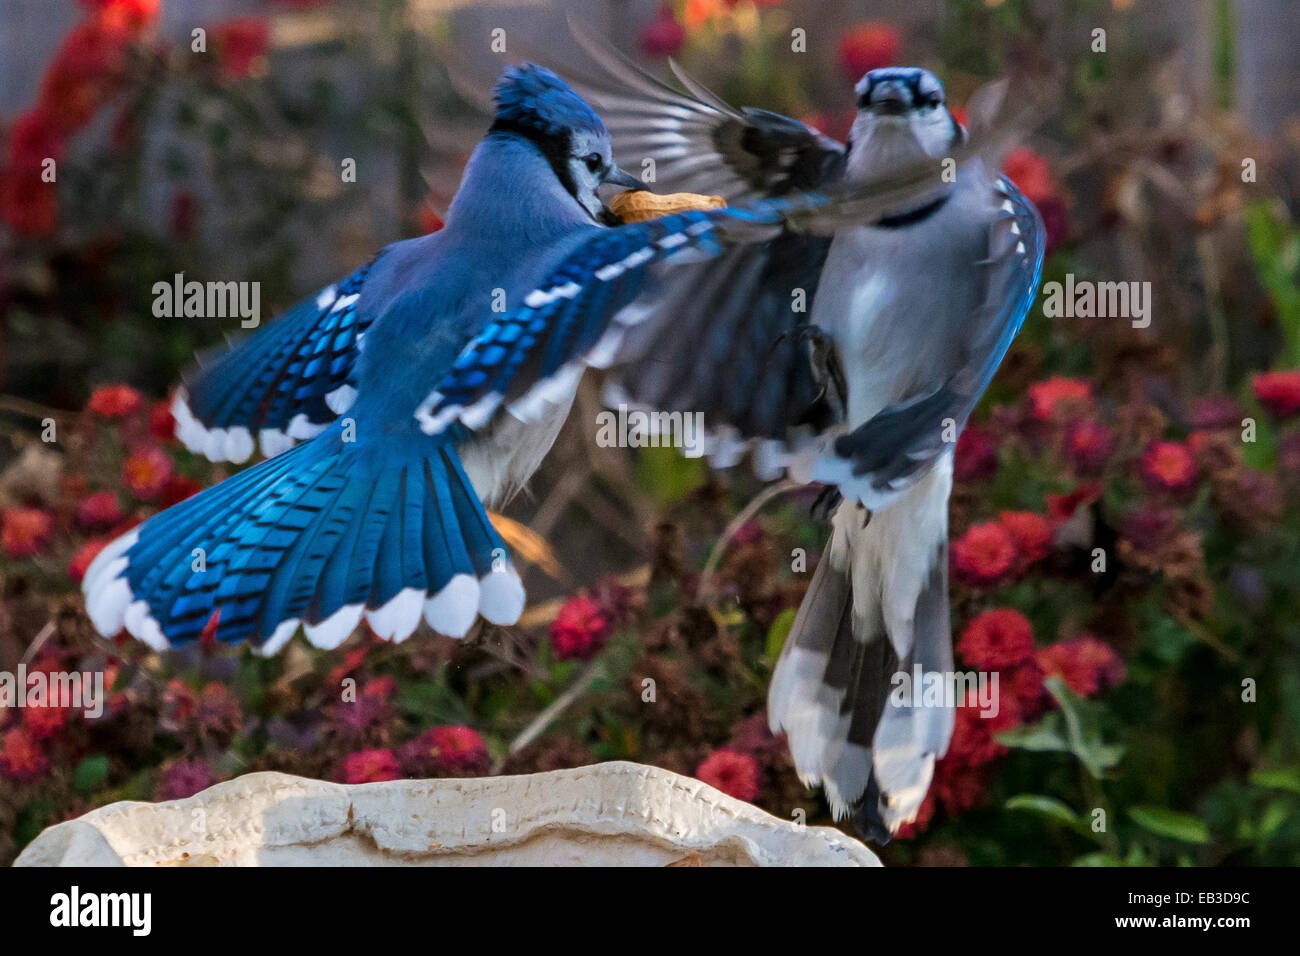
<point>911,312</point>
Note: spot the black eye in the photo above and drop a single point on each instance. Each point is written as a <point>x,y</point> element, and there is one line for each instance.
<point>931,99</point>
<point>594,162</point>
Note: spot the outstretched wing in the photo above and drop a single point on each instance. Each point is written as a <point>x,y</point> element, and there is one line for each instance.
<point>285,383</point>
<point>887,453</point>
<point>697,141</point>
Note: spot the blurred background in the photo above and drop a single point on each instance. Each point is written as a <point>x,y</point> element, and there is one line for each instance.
<point>1126,529</point>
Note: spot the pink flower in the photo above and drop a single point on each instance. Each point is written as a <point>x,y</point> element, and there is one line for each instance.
<point>22,758</point>
<point>445,752</point>
<point>24,531</point>
<point>1086,664</point>
<point>114,401</point>
<point>984,555</point>
<point>1032,534</point>
<point>98,511</point>
<point>1278,392</point>
<point>1168,465</point>
<point>662,36</point>
<point>146,472</point>
<point>1059,395</point>
<point>976,455</point>
<point>182,779</point>
<point>732,773</point>
<point>370,766</point>
<point>579,630</point>
<point>81,561</point>
<point>997,639</point>
<point>869,46</point>
<point>1088,445</point>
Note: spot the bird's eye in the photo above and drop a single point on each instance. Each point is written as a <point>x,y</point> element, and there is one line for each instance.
<point>931,99</point>
<point>593,161</point>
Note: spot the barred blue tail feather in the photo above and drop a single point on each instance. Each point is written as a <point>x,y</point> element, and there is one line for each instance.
<point>284,384</point>
<point>320,536</point>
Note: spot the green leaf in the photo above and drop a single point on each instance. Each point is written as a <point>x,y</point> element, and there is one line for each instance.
<point>777,633</point>
<point>1083,729</point>
<point>1048,807</point>
<point>1046,735</point>
<point>1098,859</point>
<point>1286,779</point>
<point>1167,823</point>
<point>90,774</point>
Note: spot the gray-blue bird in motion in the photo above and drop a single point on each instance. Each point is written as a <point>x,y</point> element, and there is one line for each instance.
<point>911,313</point>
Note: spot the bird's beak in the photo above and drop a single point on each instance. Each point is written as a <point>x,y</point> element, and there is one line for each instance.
<point>616,177</point>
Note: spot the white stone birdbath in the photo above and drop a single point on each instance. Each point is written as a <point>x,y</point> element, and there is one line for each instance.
<point>610,814</point>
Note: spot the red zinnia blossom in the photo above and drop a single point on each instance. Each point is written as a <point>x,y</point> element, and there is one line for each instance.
<point>114,401</point>
<point>1032,534</point>
<point>81,561</point>
<point>972,734</point>
<point>129,13</point>
<point>1057,393</point>
<point>869,46</point>
<point>146,472</point>
<point>976,455</point>
<point>85,71</point>
<point>22,758</point>
<point>29,205</point>
<point>1030,172</point>
<point>997,639</point>
<point>44,722</point>
<point>445,752</point>
<point>734,774</point>
<point>984,555</point>
<point>370,766</point>
<point>662,36</point>
<point>99,510</point>
<point>579,630</point>
<point>1168,465</point>
<point>24,531</point>
<point>1278,392</point>
<point>241,41</point>
<point>1088,444</point>
<point>1086,664</point>
<point>183,779</point>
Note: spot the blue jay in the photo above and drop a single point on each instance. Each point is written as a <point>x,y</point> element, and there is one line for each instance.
<point>911,313</point>
<point>371,500</point>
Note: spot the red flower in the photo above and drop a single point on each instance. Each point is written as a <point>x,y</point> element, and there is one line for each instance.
<point>579,630</point>
<point>1086,664</point>
<point>1088,444</point>
<point>127,13</point>
<point>146,472</point>
<point>867,47</point>
<point>976,455</point>
<point>34,138</point>
<point>29,205</point>
<point>85,71</point>
<point>178,488</point>
<point>1058,395</point>
<point>732,773</point>
<point>369,766</point>
<point>44,722</point>
<point>1063,507</point>
<point>99,510</point>
<point>162,426</point>
<point>24,531</point>
<point>1168,465</point>
<point>1032,534</point>
<point>1030,172</point>
<point>183,779</point>
<point>80,562</point>
<point>445,752</point>
<point>22,758</point>
<point>1278,392</point>
<point>662,36</point>
<point>242,43</point>
<point>114,401</point>
<point>997,639</point>
<point>984,555</point>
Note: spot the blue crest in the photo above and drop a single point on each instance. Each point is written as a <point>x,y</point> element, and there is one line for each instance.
<point>533,98</point>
